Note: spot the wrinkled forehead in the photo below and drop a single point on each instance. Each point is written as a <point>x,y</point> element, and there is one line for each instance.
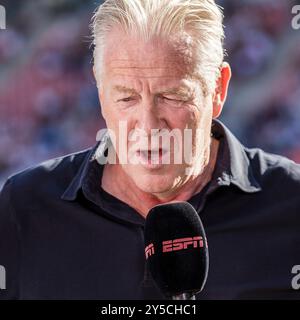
<point>123,52</point>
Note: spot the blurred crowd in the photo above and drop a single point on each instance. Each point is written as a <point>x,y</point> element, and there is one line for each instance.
<point>48,98</point>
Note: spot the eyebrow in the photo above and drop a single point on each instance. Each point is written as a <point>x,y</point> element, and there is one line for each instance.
<point>179,91</point>
<point>123,89</point>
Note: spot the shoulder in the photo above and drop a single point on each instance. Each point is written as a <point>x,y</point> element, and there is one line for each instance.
<point>52,175</point>
<point>273,169</point>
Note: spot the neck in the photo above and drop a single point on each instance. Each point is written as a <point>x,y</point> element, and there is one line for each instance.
<point>142,202</point>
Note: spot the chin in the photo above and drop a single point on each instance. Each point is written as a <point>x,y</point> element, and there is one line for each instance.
<point>154,183</point>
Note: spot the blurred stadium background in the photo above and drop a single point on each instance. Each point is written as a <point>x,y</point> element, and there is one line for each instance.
<point>48,98</point>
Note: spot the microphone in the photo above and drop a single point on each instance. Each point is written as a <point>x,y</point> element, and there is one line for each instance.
<point>176,250</point>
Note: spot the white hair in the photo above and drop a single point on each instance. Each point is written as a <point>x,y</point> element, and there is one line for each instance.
<point>202,20</point>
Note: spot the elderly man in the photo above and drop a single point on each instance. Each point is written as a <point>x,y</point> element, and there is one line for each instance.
<point>72,227</point>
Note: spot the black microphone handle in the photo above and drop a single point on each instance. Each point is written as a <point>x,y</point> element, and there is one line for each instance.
<point>184,296</point>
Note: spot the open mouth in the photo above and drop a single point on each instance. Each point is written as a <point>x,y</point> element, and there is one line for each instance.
<point>151,157</point>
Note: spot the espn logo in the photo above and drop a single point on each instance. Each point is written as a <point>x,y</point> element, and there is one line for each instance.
<point>183,244</point>
<point>149,250</point>
<point>177,245</point>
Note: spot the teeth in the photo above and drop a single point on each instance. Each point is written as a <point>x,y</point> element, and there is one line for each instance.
<point>144,154</point>
<point>150,155</point>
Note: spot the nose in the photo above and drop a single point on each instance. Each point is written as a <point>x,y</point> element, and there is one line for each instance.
<point>149,118</point>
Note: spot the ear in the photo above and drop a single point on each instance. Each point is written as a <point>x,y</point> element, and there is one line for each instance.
<point>220,93</point>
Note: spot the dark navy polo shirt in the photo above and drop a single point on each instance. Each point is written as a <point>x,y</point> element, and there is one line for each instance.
<point>63,237</point>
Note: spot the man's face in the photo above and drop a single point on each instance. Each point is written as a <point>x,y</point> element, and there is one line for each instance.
<point>150,86</point>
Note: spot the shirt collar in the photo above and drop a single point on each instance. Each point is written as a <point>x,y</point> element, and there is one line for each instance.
<point>77,182</point>
<point>237,169</point>
<point>232,167</point>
